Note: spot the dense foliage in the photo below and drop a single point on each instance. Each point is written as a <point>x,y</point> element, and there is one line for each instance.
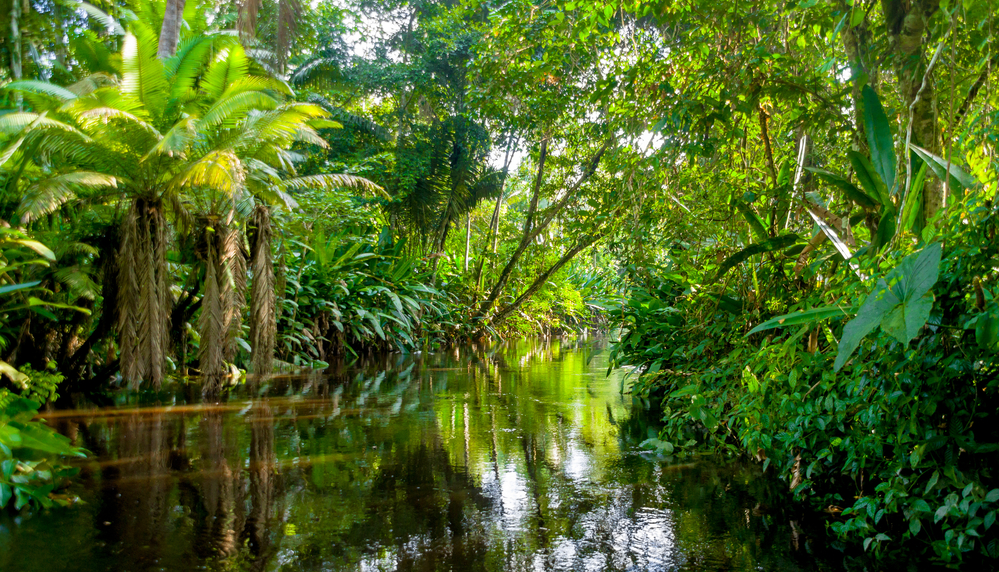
<point>787,207</point>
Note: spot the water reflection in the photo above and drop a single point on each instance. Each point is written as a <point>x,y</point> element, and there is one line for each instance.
<point>512,457</point>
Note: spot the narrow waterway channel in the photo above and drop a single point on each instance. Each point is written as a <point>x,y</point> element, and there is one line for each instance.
<point>522,456</point>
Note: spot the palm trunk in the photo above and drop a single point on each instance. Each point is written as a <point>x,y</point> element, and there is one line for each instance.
<point>173,16</point>
<point>143,294</point>
<point>263,294</point>
<point>212,323</point>
<point>222,303</point>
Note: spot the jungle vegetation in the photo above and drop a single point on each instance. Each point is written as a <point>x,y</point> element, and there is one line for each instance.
<point>787,208</point>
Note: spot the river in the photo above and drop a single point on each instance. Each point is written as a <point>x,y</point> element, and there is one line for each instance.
<point>519,456</point>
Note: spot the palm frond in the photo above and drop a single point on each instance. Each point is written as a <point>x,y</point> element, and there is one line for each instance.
<point>143,76</point>
<point>230,65</point>
<point>219,170</point>
<point>41,87</point>
<point>80,284</point>
<point>91,83</point>
<point>318,71</point>
<point>110,24</point>
<point>228,111</point>
<point>185,68</point>
<point>333,181</point>
<point>48,194</point>
<point>16,122</point>
<point>177,140</point>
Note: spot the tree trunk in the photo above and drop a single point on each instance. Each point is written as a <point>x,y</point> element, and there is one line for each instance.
<point>493,233</point>
<point>541,280</point>
<point>173,17</point>
<point>263,296</point>
<point>907,22</point>
<point>143,294</point>
<point>468,238</point>
<point>525,238</point>
<point>532,230</point>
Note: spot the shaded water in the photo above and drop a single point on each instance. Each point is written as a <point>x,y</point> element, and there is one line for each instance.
<point>519,457</point>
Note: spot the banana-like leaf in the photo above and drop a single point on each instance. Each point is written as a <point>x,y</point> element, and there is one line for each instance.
<point>754,220</point>
<point>869,177</point>
<point>879,138</point>
<point>803,317</point>
<point>958,178</point>
<point>776,243</point>
<point>848,188</point>
<point>817,213</point>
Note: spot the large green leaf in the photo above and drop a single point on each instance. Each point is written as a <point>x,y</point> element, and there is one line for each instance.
<point>879,138</point>
<point>776,243</point>
<point>869,178</point>
<point>940,166</point>
<point>900,303</point>
<point>886,227</point>
<point>802,317</point>
<point>849,189</point>
<point>754,220</point>
<point>912,210</point>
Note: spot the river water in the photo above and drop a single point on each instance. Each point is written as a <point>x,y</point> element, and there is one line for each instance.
<point>520,456</point>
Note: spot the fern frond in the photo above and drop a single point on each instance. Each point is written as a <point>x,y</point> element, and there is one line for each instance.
<point>41,87</point>
<point>229,111</point>
<point>332,181</point>
<point>47,195</point>
<point>143,76</point>
<point>230,65</point>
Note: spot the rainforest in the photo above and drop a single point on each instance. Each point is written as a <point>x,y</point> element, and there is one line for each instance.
<point>499,285</point>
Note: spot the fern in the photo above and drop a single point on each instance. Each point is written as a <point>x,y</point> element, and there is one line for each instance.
<point>143,76</point>
<point>41,87</point>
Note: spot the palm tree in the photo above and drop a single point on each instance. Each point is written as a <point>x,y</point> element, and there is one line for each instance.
<point>193,138</point>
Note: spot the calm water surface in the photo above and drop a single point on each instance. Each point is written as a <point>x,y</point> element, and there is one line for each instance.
<point>522,456</point>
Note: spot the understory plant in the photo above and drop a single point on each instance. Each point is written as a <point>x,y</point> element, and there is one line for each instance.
<point>874,396</point>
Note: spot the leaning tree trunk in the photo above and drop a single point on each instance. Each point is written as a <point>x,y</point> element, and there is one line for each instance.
<point>143,293</point>
<point>263,293</point>
<point>173,17</point>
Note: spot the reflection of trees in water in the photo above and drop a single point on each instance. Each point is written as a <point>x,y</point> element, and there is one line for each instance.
<point>158,504</point>
<point>261,521</point>
<point>454,461</point>
<point>222,496</point>
<point>135,497</point>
